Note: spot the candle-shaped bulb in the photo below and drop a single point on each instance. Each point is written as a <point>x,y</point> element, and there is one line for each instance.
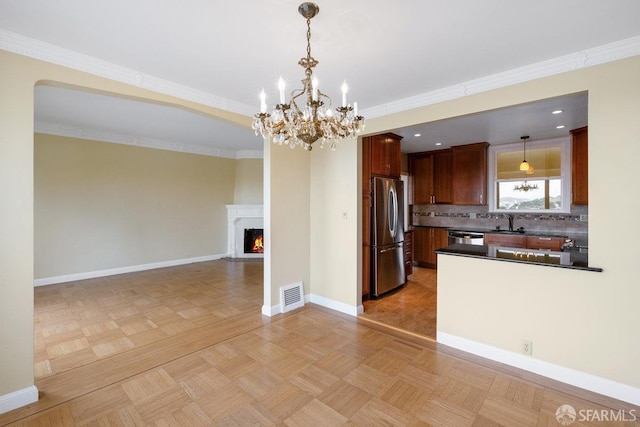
<point>314,88</point>
<point>281,89</point>
<point>355,109</point>
<point>263,102</point>
<point>344,88</point>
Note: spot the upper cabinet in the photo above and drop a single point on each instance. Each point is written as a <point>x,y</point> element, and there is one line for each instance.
<point>456,176</point>
<point>385,154</point>
<point>579,166</point>
<point>431,173</point>
<point>470,174</point>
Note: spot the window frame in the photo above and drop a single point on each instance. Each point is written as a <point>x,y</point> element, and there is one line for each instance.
<point>565,174</point>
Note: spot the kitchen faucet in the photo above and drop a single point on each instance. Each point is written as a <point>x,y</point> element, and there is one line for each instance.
<point>510,222</point>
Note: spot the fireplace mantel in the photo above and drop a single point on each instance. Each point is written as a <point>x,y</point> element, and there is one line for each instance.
<point>240,217</point>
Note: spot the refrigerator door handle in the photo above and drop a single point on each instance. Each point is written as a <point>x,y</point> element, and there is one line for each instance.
<point>384,251</point>
<point>392,216</point>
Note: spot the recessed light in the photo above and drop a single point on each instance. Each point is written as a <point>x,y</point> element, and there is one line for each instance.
<point>417,135</point>
<point>557,111</point>
<point>438,143</point>
<point>560,127</point>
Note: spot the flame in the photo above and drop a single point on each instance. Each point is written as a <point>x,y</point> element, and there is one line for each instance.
<point>258,246</point>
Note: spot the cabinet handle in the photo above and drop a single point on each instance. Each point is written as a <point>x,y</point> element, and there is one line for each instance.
<point>544,238</point>
<point>481,197</point>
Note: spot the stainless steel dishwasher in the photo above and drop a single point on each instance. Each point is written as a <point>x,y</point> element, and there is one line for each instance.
<point>466,237</point>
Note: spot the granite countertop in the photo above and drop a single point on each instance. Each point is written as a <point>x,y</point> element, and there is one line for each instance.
<point>573,259</point>
<point>500,231</point>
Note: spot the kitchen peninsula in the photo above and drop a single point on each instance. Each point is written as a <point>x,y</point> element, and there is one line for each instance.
<point>574,259</point>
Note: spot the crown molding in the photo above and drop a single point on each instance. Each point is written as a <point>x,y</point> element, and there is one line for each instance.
<point>48,52</point>
<point>249,154</point>
<point>137,141</point>
<point>587,58</point>
<point>22,45</point>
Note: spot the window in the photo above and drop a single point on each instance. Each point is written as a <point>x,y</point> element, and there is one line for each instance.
<point>545,187</point>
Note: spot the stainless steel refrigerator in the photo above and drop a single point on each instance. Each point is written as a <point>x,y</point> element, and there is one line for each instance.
<point>387,228</point>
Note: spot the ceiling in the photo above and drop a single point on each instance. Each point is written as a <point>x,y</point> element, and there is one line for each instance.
<point>394,56</point>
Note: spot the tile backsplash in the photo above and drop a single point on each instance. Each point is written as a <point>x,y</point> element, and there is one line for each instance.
<point>575,224</point>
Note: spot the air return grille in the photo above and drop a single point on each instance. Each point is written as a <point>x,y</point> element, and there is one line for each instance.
<point>291,297</point>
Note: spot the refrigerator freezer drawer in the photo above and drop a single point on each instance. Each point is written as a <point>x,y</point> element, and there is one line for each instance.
<point>388,269</point>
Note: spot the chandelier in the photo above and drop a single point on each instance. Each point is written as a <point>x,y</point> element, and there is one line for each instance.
<point>308,115</point>
<point>525,186</point>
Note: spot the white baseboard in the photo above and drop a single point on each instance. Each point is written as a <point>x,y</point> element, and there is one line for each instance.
<point>351,310</point>
<point>323,301</point>
<point>121,270</point>
<point>18,399</point>
<point>276,309</point>
<point>271,311</point>
<point>570,376</point>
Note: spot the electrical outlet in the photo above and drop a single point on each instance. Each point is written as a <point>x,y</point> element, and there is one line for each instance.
<point>472,215</point>
<point>584,218</point>
<point>527,347</point>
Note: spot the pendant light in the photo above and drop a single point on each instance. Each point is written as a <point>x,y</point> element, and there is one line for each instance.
<point>524,166</point>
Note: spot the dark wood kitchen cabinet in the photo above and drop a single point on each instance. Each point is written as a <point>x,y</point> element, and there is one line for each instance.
<point>431,177</point>
<point>470,174</point>
<point>421,173</point>
<point>385,155</point>
<point>545,243</point>
<point>408,254</point>
<point>579,166</point>
<point>508,240</point>
<point>425,241</point>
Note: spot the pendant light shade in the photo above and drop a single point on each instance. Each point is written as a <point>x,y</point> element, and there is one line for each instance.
<point>524,166</point>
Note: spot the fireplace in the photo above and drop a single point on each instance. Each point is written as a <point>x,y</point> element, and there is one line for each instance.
<point>245,226</point>
<point>253,241</point>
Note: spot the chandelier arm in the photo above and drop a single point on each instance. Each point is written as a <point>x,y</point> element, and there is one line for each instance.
<point>294,97</point>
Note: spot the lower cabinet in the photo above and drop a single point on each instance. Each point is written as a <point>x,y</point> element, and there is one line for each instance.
<point>522,241</point>
<point>545,243</point>
<point>426,241</point>
<point>408,254</point>
<point>508,240</point>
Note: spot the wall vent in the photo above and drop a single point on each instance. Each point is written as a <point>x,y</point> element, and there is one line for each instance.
<point>291,297</point>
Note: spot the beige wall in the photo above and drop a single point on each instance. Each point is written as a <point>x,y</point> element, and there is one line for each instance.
<point>286,220</point>
<point>585,321</point>
<point>599,314</point>
<point>335,219</point>
<point>18,77</point>
<point>249,183</point>
<point>101,206</point>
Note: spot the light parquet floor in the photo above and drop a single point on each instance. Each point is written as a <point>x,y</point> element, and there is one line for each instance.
<point>209,357</point>
<point>411,308</point>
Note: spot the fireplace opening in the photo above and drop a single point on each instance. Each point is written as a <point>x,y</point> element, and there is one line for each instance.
<point>253,241</point>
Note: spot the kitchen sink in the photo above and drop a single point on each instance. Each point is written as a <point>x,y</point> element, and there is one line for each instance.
<point>518,231</point>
